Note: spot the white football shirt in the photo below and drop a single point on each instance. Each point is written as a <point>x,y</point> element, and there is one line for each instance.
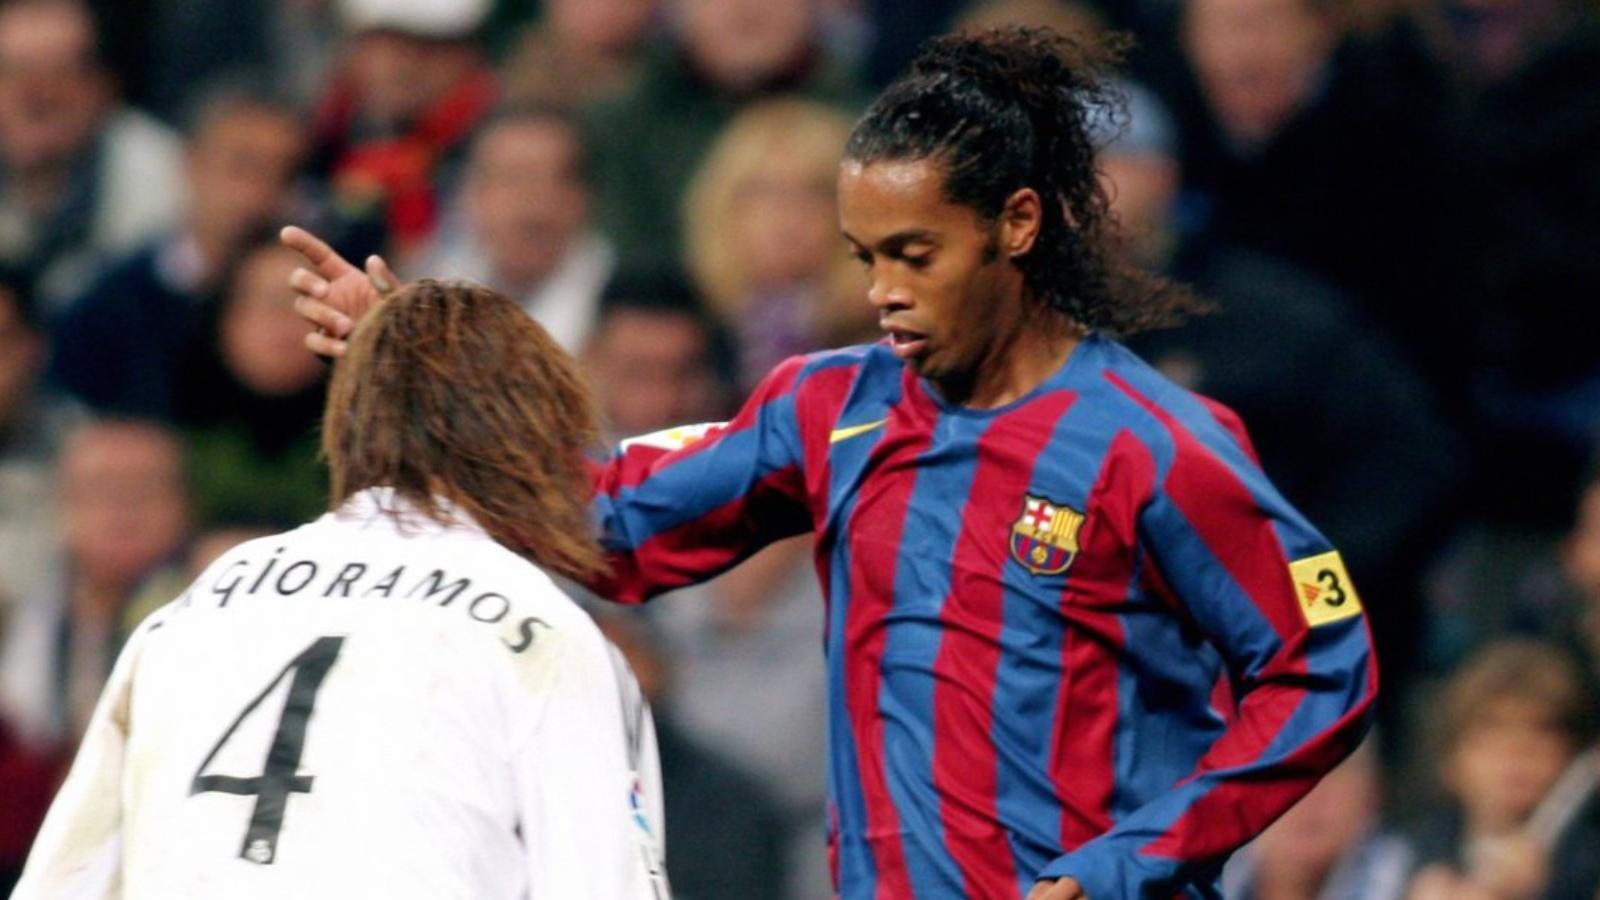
<point>363,708</point>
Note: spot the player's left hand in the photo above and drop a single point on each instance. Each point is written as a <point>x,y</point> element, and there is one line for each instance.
<point>1060,889</point>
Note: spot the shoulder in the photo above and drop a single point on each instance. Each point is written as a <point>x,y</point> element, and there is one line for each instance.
<point>1165,416</point>
<point>818,371</point>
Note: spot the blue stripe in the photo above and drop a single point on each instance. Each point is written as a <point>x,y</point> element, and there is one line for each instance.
<point>922,582</point>
<point>1029,677</point>
<point>858,875</point>
<point>1165,722</point>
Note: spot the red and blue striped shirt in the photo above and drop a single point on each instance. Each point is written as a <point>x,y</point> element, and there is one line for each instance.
<point>1080,634</point>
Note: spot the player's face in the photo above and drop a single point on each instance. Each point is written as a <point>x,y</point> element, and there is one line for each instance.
<point>945,292</point>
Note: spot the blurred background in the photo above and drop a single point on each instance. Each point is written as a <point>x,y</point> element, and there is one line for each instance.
<point>1395,205</point>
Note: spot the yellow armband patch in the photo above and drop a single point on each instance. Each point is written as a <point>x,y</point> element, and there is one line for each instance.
<point>1323,588</point>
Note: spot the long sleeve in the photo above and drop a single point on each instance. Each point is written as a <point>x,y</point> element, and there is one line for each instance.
<point>682,506</point>
<point>1227,552</point>
<point>78,853</point>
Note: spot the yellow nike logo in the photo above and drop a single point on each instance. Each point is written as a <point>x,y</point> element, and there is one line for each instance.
<point>844,434</point>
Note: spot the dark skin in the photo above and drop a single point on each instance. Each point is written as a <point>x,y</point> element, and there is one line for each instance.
<point>954,305</point>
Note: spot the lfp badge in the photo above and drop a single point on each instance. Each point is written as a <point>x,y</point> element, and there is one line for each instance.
<point>1045,538</point>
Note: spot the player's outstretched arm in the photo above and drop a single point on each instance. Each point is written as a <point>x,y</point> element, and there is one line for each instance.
<point>330,292</point>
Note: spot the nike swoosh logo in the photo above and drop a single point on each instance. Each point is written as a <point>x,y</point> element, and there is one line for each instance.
<point>844,434</point>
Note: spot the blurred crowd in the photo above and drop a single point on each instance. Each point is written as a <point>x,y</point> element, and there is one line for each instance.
<point>1393,204</point>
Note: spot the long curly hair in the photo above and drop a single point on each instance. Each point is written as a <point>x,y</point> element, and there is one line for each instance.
<point>449,391</point>
<point>1012,108</point>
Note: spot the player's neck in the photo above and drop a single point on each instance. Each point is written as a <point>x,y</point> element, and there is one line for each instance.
<point>1025,356</point>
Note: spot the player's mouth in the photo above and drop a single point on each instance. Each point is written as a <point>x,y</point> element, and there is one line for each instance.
<point>906,344</point>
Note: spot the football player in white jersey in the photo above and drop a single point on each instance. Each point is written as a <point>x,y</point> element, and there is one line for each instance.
<point>394,700</point>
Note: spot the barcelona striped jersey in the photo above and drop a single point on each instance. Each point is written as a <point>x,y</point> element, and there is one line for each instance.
<point>1079,635</point>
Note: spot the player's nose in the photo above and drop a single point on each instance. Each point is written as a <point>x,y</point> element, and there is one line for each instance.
<point>886,296</point>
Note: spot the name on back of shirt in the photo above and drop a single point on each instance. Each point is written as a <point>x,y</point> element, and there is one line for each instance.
<point>275,576</point>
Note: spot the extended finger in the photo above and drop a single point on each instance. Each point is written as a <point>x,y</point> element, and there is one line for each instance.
<point>383,278</point>
<point>315,250</point>
<point>323,344</point>
<point>308,283</point>
<point>323,316</point>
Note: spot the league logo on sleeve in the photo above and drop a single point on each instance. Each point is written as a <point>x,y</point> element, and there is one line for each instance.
<point>1045,538</point>
<point>1323,588</point>
<point>673,438</point>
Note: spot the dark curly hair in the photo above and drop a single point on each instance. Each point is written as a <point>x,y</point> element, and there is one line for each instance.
<point>1015,108</point>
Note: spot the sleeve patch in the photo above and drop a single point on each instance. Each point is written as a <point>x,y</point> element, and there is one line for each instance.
<point>1323,589</point>
<point>672,438</point>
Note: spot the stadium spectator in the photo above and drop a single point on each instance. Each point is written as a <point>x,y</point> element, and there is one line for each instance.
<point>248,402</point>
<point>725,834</point>
<point>580,52</point>
<point>1516,728</point>
<point>195,45</point>
<point>391,131</point>
<point>761,226</point>
<point>118,346</point>
<point>1277,91</point>
<point>82,178</point>
<point>523,227</point>
<point>1063,16</point>
<point>655,358</point>
<point>1580,563</point>
<point>1520,126</point>
<point>124,512</point>
<point>1329,846</point>
<point>123,517</point>
<point>720,56</point>
<point>31,425</point>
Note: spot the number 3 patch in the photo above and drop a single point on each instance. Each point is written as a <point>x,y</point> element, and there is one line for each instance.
<point>1324,590</point>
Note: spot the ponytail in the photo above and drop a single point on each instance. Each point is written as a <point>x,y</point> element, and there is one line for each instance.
<point>1015,108</point>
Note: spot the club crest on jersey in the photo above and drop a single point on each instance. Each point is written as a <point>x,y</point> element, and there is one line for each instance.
<point>1045,538</point>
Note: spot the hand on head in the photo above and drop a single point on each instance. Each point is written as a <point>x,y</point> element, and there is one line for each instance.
<point>330,292</point>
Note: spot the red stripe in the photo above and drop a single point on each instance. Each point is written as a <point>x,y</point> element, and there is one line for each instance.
<point>965,767</point>
<point>1227,520</point>
<point>1234,425</point>
<point>1083,741</point>
<point>874,532</point>
<point>824,394</point>
<point>1234,810</point>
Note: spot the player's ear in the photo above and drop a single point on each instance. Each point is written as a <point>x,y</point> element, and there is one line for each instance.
<point>1020,221</point>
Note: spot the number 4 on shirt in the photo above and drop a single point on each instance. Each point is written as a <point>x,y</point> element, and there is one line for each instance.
<point>280,777</point>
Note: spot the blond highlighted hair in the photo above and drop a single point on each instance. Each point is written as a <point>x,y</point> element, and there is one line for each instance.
<point>799,129</point>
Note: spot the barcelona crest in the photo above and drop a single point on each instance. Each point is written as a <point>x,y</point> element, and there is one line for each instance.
<point>1045,538</point>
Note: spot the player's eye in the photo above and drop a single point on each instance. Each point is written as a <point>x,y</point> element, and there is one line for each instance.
<point>861,256</point>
